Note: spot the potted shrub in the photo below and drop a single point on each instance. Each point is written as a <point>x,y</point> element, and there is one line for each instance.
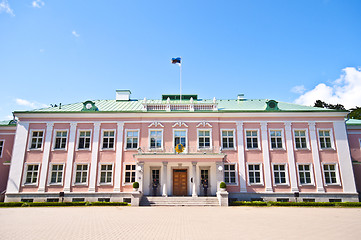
<point>135,186</point>
<point>223,186</point>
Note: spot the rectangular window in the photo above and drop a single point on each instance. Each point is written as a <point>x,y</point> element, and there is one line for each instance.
<point>81,174</point>
<point>60,139</point>
<point>300,139</point>
<point>156,139</point>
<point>129,173</point>
<point>279,173</point>
<point>56,173</point>
<point>204,139</point>
<point>106,173</point>
<point>132,139</point>
<point>84,140</point>
<point>252,139</point>
<point>227,139</point>
<point>230,173</point>
<point>108,139</point>
<point>36,141</point>
<point>1,148</point>
<point>325,139</point>
<point>254,174</point>
<point>329,171</point>
<point>32,171</point>
<point>304,173</point>
<point>180,137</point>
<point>276,139</point>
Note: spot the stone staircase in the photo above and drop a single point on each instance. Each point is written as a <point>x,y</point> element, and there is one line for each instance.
<point>179,201</point>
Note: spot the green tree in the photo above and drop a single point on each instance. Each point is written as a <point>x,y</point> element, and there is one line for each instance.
<point>355,113</point>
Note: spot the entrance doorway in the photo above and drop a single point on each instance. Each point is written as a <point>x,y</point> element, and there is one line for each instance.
<point>205,183</point>
<point>154,186</point>
<point>180,182</point>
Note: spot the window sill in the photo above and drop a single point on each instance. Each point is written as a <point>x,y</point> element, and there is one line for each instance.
<point>229,149</point>
<point>55,184</point>
<point>278,149</point>
<point>107,149</point>
<point>302,149</point>
<point>30,184</point>
<point>333,184</point>
<point>231,184</point>
<point>59,149</point>
<point>83,149</point>
<point>307,185</point>
<point>254,149</point>
<point>327,149</point>
<point>256,184</point>
<point>281,185</point>
<point>131,149</point>
<point>105,184</point>
<point>80,184</point>
<point>35,149</point>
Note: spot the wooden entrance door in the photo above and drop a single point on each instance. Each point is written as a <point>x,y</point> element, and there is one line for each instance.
<point>180,182</point>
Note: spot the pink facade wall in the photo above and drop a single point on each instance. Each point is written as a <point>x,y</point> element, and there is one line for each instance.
<point>7,135</point>
<point>354,138</point>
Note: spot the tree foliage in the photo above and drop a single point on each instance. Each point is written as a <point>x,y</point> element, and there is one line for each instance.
<point>355,113</point>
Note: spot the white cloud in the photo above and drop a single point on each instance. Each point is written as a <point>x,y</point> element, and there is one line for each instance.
<point>298,89</point>
<point>346,90</point>
<point>5,7</point>
<point>23,102</point>
<point>38,4</point>
<point>75,33</point>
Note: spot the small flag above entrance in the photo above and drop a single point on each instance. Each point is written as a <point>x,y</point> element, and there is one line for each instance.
<point>176,60</point>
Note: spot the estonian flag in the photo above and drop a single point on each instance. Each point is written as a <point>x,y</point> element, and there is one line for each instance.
<point>176,60</point>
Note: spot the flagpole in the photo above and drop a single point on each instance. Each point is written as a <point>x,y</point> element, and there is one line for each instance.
<point>180,80</point>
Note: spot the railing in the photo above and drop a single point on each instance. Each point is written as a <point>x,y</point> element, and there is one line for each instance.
<point>180,107</point>
<point>188,150</point>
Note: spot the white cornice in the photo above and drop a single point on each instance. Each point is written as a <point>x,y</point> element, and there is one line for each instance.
<point>179,156</point>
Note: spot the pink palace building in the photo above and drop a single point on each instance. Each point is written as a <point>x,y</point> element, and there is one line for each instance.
<point>262,149</point>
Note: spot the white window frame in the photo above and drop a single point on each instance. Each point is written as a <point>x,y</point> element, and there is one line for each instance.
<point>338,182</point>
<point>258,139</point>
<point>102,140</point>
<point>31,137</point>
<point>210,136</point>
<point>78,139</point>
<point>234,138</point>
<point>359,142</point>
<point>287,183</point>
<point>282,136</point>
<point>2,148</point>
<point>162,143</point>
<point>125,139</point>
<point>25,172</point>
<point>74,174</point>
<point>331,139</point>
<point>177,130</point>
<point>124,170</point>
<point>99,174</point>
<point>236,173</point>
<point>306,136</point>
<point>54,139</point>
<point>51,171</point>
<point>261,175</point>
<point>311,175</point>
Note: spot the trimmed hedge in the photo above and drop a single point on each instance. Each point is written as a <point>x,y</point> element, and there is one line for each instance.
<point>297,204</point>
<point>60,204</point>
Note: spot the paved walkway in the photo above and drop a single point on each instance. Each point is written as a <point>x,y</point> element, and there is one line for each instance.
<point>180,223</point>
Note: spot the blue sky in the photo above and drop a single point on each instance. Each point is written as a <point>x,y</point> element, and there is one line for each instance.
<point>72,51</point>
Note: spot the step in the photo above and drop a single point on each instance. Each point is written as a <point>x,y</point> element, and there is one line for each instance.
<point>179,201</point>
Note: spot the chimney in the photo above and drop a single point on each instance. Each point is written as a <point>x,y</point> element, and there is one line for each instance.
<point>122,95</point>
<point>240,97</point>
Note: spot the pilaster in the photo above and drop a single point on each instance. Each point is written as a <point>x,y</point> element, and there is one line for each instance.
<point>94,161</point>
<point>241,158</point>
<point>266,158</point>
<point>70,157</point>
<point>139,175</point>
<point>219,174</point>
<point>164,180</point>
<point>194,177</point>
<point>291,157</point>
<point>46,153</point>
<point>316,157</point>
<point>119,157</point>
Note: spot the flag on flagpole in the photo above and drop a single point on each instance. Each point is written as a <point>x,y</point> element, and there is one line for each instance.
<point>176,60</point>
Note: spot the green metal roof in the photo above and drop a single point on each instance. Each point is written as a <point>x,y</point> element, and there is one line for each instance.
<point>351,122</point>
<point>232,105</point>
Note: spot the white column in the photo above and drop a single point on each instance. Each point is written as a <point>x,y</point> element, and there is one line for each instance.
<point>46,152</point>
<point>17,159</point>
<point>194,177</point>
<point>219,174</point>
<point>164,180</point>
<point>94,162</point>
<point>266,158</point>
<point>118,157</point>
<point>291,157</point>
<point>344,157</point>
<point>139,175</point>
<point>241,159</point>
<point>316,157</point>
<point>70,157</point>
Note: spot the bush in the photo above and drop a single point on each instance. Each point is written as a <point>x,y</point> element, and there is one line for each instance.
<point>348,204</point>
<point>245,203</point>
<point>109,204</point>
<point>222,185</point>
<point>297,204</point>
<point>11,204</point>
<point>136,185</point>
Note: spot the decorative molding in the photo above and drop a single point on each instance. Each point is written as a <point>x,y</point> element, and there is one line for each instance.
<point>156,124</point>
<point>204,124</point>
<point>180,124</point>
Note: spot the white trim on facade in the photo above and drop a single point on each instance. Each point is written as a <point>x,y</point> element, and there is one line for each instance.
<point>102,140</point>
<point>74,174</point>
<point>282,136</point>
<point>235,171</point>
<point>78,137</point>
<point>210,140</point>
<point>54,139</point>
<point>149,139</point>
<point>306,136</point>
<point>94,157</point>
<point>70,156</point>
<point>50,171</point>
<point>331,139</point>
<point>311,175</point>
<point>124,170</point>
<point>287,183</point>
<point>126,136</point>
<point>258,139</point>
<point>266,157</point>
<point>99,174</point>
<point>234,139</point>
<point>2,147</point>
<point>337,171</point>
<point>24,184</point>
<point>187,143</point>
<point>31,137</point>
<point>261,174</point>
